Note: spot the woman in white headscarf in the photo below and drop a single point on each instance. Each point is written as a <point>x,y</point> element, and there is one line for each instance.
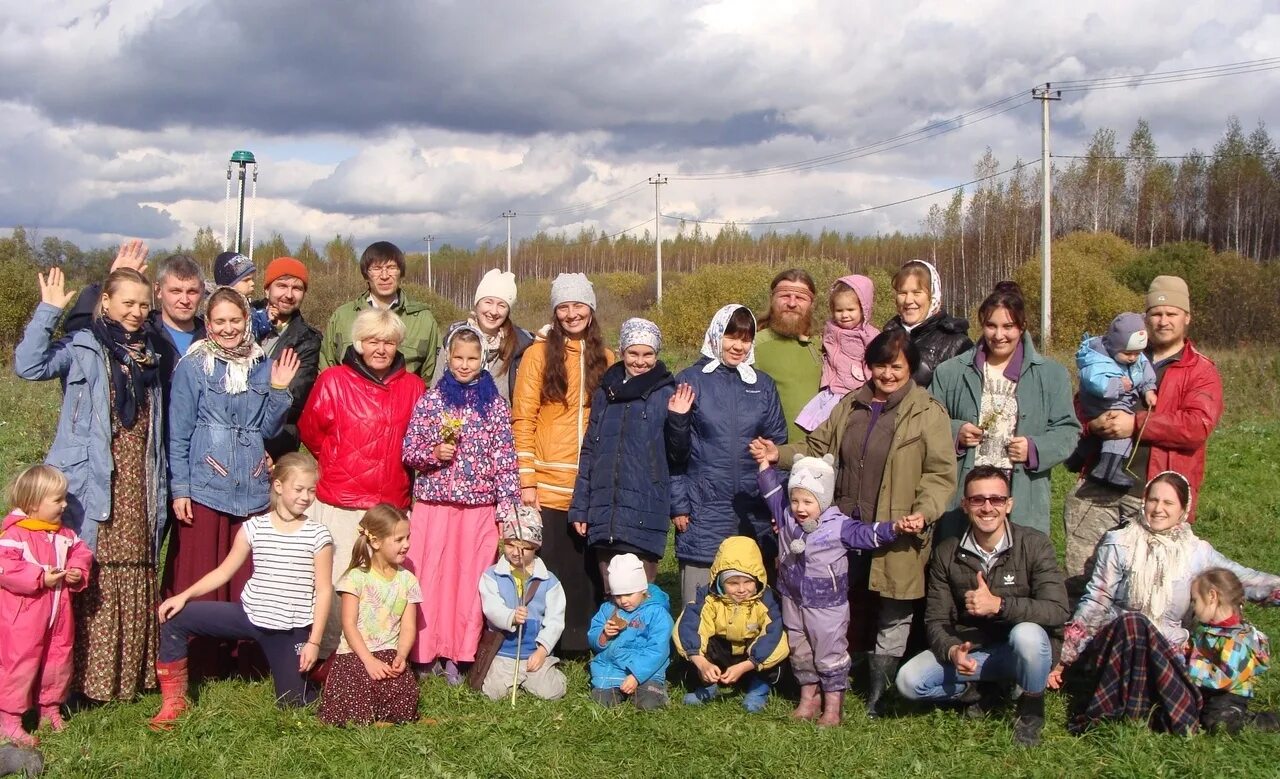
<point>1129,623</point>
<point>714,493</point>
<point>938,336</point>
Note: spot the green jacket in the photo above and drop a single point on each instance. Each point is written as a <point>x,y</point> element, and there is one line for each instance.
<point>421,339</point>
<point>796,367</point>
<point>1046,415</point>
<point>918,477</point>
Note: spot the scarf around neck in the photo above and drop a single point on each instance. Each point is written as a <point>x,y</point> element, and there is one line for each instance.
<point>491,345</point>
<point>478,394</point>
<point>1157,561</point>
<point>133,363</point>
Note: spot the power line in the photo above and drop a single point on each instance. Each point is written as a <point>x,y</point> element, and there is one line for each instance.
<point>1142,81</point>
<point>590,205</point>
<point>856,210</point>
<point>1229,66</point>
<point>1200,155</point>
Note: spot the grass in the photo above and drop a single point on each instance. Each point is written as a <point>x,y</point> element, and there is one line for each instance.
<point>236,730</point>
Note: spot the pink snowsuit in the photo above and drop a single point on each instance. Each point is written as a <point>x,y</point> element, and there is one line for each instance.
<point>37,630</point>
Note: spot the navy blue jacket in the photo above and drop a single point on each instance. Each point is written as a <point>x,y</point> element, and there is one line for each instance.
<point>623,491</point>
<point>714,478</point>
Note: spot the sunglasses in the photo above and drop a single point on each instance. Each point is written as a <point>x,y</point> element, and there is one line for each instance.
<point>977,501</point>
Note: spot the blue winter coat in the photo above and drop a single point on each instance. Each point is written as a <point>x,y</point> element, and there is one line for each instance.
<point>216,452</point>
<point>623,491</point>
<point>1100,378</point>
<point>714,481</point>
<point>81,447</point>
<point>643,649</point>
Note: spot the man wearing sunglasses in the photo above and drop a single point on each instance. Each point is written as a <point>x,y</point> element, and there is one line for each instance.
<point>996,601</point>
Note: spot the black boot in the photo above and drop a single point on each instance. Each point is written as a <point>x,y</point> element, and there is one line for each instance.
<point>978,699</point>
<point>883,669</point>
<point>1030,719</point>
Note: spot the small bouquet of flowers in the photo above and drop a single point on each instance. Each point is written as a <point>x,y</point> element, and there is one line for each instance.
<point>450,428</point>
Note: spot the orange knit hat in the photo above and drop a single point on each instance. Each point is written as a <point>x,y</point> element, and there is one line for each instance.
<point>286,266</point>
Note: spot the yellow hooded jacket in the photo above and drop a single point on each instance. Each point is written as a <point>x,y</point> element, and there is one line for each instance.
<point>752,628</point>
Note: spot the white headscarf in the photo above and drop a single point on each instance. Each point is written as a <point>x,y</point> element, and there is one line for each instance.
<point>935,292</point>
<point>715,334</point>
<point>1157,560</point>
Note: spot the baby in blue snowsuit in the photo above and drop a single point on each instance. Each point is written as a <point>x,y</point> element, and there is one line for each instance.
<point>1114,374</point>
<point>631,638</point>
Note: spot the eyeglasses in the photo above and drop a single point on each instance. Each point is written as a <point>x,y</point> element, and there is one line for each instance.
<point>977,501</point>
<point>384,270</point>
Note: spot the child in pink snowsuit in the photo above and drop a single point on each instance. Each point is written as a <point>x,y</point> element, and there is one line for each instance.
<point>41,563</point>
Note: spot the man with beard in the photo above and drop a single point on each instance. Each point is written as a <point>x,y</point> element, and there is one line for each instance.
<point>783,347</point>
<point>279,325</point>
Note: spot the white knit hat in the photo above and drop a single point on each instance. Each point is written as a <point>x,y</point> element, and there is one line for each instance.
<point>497,284</point>
<point>626,575</point>
<point>573,288</point>
<point>817,476</point>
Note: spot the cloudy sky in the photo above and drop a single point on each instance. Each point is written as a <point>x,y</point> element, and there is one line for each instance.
<point>399,118</point>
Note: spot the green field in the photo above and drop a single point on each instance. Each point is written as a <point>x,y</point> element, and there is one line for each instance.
<point>235,731</point>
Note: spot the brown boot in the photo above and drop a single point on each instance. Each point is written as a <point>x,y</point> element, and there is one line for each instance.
<point>810,703</point>
<point>832,709</point>
<point>173,693</point>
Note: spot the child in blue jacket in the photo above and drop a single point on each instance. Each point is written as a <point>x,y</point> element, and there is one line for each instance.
<point>631,638</point>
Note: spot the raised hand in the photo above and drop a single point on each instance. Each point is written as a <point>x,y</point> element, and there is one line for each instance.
<point>682,401</point>
<point>959,655</point>
<point>132,255</point>
<point>980,602</point>
<point>284,369</point>
<point>53,288</point>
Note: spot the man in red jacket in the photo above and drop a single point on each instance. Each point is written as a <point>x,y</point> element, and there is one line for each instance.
<point>1172,436</point>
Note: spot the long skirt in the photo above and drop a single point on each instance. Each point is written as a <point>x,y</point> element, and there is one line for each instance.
<point>565,554</point>
<point>344,526</point>
<point>195,550</point>
<point>352,696</point>
<point>450,546</point>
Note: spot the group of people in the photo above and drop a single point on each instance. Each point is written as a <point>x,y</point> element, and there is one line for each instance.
<point>480,505</point>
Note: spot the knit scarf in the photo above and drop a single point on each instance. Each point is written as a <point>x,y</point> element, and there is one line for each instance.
<point>239,360</point>
<point>1157,561</point>
<point>478,394</point>
<point>133,364</point>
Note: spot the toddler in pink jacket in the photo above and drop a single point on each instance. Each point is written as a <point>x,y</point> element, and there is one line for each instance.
<point>41,564</point>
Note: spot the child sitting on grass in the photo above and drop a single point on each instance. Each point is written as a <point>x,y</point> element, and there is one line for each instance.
<point>732,631</point>
<point>813,576</point>
<point>631,639</point>
<point>525,601</point>
<point>1227,654</point>
<point>369,679</point>
<point>41,564</point>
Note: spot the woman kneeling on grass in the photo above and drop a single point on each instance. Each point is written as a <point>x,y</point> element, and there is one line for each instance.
<point>1130,618</point>
<point>283,607</point>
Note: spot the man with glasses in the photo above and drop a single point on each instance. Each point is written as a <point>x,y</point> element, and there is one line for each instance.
<point>996,600</point>
<point>382,266</point>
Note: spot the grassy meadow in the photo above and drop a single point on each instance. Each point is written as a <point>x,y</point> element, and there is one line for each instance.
<point>236,731</point>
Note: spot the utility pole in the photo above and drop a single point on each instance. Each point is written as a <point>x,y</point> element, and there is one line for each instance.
<point>657,182</point>
<point>508,215</point>
<point>1044,95</point>
<point>429,239</point>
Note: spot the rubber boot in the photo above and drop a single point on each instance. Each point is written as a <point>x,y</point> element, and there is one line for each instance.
<point>810,705</point>
<point>832,709</point>
<point>20,760</point>
<point>756,694</point>
<point>700,695</point>
<point>52,714</point>
<point>882,669</point>
<point>173,693</point>
<point>1030,721</point>
<point>11,730</point>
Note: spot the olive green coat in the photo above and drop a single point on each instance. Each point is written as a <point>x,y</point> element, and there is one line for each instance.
<point>919,476</point>
<point>421,341</point>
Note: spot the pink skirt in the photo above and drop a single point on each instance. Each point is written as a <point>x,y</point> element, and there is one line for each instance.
<point>450,546</point>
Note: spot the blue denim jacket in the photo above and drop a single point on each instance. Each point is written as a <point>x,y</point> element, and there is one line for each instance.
<point>81,446</point>
<point>216,453</point>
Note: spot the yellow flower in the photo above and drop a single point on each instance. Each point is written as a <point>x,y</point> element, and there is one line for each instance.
<point>450,428</point>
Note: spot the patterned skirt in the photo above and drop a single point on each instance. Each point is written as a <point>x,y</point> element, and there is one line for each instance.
<point>351,696</point>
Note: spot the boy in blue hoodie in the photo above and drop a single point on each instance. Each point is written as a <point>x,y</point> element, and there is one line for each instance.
<point>631,639</point>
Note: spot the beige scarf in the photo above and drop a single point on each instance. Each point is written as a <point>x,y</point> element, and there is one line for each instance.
<point>1157,562</point>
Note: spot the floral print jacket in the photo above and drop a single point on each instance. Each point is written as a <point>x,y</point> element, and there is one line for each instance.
<point>483,471</point>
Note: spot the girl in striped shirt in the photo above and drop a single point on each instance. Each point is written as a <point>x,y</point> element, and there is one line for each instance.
<point>283,606</point>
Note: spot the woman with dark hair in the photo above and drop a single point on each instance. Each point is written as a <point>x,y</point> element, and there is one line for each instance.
<point>895,459</point>
<point>1128,632</point>
<point>504,342</point>
<point>550,411</point>
<point>109,444</point>
<point>1010,407</point>
<point>938,336</point>
<point>227,399</point>
<point>714,493</point>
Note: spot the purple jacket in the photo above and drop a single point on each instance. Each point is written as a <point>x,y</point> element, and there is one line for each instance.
<point>818,577</point>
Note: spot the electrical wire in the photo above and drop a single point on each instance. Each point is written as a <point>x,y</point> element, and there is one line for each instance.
<point>590,205</point>
<point>1132,82</point>
<point>1225,68</point>
<point>856,210</point>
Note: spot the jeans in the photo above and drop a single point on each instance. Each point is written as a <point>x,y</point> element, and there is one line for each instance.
<point>1026,658</point>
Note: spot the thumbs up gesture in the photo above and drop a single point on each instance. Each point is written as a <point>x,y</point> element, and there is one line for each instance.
<point>979,602</point>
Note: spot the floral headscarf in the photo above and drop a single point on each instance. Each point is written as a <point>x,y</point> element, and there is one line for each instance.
<point>715,334</point>
<point>239,359</point>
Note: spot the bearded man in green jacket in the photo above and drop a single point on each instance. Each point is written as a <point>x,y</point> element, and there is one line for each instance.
<point>784,348</point>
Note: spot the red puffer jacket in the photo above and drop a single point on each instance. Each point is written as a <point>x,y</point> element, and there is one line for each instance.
<point>355,425</point>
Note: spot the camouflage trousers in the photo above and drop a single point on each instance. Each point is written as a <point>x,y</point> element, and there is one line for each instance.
<point>1091,510</point>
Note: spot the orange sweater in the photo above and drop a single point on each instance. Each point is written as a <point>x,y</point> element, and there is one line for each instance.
<point>549,436</point>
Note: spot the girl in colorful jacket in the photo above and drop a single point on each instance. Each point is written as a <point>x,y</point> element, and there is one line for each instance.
<point>459,441</point>
<point>41,564</point>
